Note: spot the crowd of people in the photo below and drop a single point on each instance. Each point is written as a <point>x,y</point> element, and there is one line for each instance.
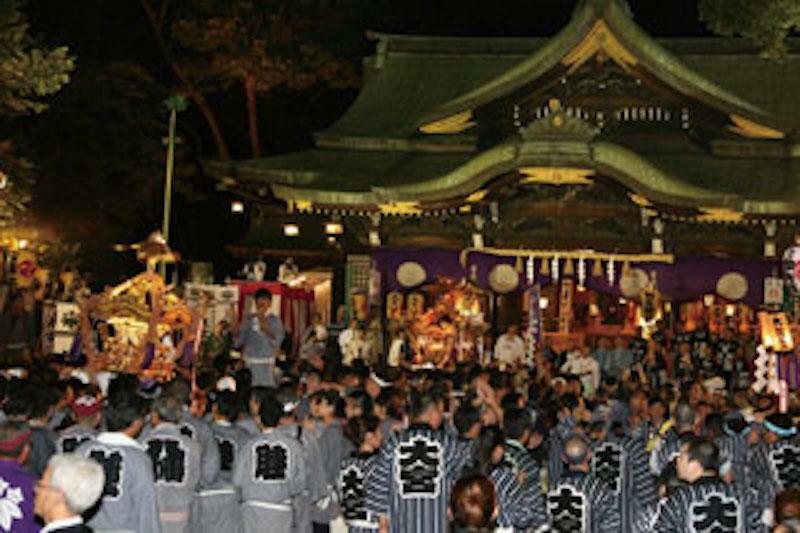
<point>663,435</point>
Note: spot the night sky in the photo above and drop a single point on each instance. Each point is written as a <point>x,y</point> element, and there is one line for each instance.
<point>104,32</point>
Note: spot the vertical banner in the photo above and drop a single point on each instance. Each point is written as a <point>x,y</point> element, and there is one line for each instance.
<point>565,305</point>
<point>534,320</point>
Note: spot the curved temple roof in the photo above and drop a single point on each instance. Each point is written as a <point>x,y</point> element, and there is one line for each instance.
<point>378,154</point>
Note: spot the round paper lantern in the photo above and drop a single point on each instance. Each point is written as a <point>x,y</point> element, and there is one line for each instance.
<point>411,274</point>
<point>503,278</point>
<point>633,282</point>
<point>732,286</point>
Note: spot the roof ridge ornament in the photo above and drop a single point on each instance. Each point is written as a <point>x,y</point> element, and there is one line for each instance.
<point>558,125</point>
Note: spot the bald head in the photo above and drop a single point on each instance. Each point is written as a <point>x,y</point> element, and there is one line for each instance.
<point>576,451</point>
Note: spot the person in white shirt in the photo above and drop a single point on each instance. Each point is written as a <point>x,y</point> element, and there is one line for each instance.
<point>347,335</point>
<point>397,350</point>
<point>586,368</point>
<point>510,348</point>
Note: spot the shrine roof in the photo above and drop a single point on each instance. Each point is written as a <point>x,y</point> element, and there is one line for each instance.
<point>357,180</point>
<point>379,153</point>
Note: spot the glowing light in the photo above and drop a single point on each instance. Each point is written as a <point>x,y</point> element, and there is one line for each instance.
<point>334,228</point>
<point>22,244</point>
<point>291,230</point>
<point>237,207</point>
<point>544,303</point>
<point>730,310</point>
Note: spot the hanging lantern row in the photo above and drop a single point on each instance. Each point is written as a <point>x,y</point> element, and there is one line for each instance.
<point>552,268</point>
<point>550,262</point>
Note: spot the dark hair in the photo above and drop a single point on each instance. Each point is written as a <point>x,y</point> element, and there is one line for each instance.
<point>516,421</point>
<point>179,389</point>
<point>357,428</point>
<point>121,388</point>
<point>510,400</point>
<point>43,398</point>
<point>705,452</point>
<point>472,502</point>
<point>168,408</point>
<point>570,401</point>
<point>263,293</point>
<point>270,412</point>
<point>421,402</point>
<point>490,438</point>
<point>260,394</point>
<point>229,405</point>
<point>466,416</point>
<point>124,413</point>
<point>20,400</point>
<point>363,400</point>
<point>328,396</point>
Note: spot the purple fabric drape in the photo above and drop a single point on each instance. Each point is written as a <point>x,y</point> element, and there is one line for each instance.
<point>686,280</point>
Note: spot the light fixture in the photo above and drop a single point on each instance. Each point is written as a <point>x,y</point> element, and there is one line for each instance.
<point>237,207</point>
<point>477,240</point>
<point>331,239</point>
<point>22,244</point>
<point>623,301</point>
<point>708,300</point>
<point>291,230</point>
<point>544,303</point>
<point>730,310</point>
<point>374,238</point>
<point>334,228</point>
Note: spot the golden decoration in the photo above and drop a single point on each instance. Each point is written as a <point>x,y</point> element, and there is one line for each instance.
<point>545,270</point>
<point>556,175</point>
<point>753,130</point>
<point>639,200</point>
<point>569,268</point>
<point>723,214</point>
<point>597,268</point>
<point>477,196</point>
<point>453,124</point>
<point>600,39</point>
<point>400,208</point>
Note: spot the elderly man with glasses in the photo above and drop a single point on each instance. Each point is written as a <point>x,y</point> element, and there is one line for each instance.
<point>71,484</point>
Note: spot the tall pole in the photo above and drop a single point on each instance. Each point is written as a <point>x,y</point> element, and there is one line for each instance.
<point>174,104</point>
<point>173,119</point>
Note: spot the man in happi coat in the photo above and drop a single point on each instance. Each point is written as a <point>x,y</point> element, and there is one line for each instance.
<point>129,496</point>
<point>16,483</point>
<point>581,501</point>
<point>271,474</point>
<point>176,465</point>
<point>217,505</point>
<point>706,504</point>
<point>260,336</point>
<point>88,411</point>
<point>198,430</point>
<point>776,461</point>
<point>316,503</point>
<point>668,447</point>
<point>410,487</point>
